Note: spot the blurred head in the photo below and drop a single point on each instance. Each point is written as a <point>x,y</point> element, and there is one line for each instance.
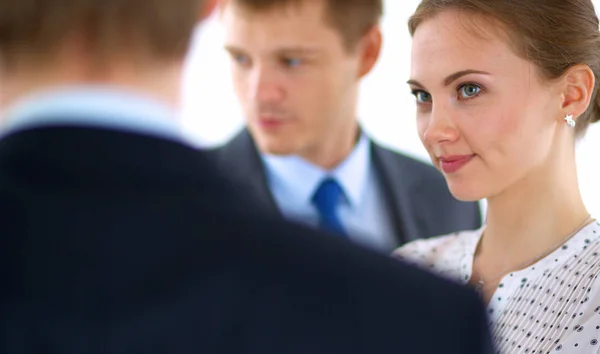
<point>494,81</point>
<point>65,40</point>
<point>296,67</point>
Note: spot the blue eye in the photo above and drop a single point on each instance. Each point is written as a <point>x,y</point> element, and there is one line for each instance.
<point>468,91</point>
<point>241,59</point>
<point>422,96</point>
<point>292,62</point>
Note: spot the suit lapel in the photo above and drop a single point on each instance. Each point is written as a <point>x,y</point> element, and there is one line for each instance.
<point>240,160</point>
<point>396,184</point>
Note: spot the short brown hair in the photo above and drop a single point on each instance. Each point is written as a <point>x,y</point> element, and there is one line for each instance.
<point>351,18</point>
<point>553,34</point>
<point>36,29</point>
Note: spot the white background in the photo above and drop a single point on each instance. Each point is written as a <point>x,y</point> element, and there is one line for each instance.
<point>211,114</point>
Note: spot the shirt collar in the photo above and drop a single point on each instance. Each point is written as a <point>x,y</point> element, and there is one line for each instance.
<point>299,178</point>
<point>96,107</point>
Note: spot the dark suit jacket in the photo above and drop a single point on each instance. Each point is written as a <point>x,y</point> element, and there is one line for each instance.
<point>121,243</point>
<point>418,198</point>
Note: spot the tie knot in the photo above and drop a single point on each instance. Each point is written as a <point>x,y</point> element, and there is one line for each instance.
<point>328,196</point>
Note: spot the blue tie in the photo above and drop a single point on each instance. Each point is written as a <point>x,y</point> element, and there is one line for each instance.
<point>326,199</point>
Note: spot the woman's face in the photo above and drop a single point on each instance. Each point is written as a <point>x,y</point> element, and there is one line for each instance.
<point>484,114</point>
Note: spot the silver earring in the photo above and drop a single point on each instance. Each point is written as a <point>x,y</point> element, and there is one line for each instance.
<point>570,121</point>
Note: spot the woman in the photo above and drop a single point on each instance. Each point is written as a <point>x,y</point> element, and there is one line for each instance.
<point>504,88</point>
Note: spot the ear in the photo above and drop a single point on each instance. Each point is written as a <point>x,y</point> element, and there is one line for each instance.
<point>578,86</point>
<point>208,6</point>
<point>370,48</point>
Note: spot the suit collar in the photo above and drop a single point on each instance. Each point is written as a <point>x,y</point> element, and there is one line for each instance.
<point>102,107</point>
<point>399,186</point>
<point>296,178</point>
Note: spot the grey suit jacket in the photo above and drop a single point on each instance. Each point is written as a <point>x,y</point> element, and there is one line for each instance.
<point>416,194</point>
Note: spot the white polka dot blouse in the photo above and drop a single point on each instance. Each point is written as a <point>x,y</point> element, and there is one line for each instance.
<point>552,306</point>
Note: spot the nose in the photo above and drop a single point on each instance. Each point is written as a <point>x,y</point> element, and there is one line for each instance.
<point>265,87</point>
<point>439,127</point>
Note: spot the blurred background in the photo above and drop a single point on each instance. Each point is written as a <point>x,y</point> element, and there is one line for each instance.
<point>211,114</point>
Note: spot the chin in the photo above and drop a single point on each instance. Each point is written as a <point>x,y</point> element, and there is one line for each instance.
<point>278,147</point>
<point>465,192</point>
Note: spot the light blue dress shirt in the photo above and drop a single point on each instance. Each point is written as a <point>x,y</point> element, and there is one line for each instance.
<point>102,107</point>
<point>293,181</point>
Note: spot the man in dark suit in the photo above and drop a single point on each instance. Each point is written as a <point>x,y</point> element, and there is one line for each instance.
<point>296,69</point>
<point>117,237</point>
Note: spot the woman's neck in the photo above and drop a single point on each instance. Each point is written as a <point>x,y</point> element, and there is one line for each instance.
<point>532,217</point>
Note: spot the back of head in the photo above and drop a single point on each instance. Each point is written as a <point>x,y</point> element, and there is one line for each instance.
<point>555,35</point>
<point>35,31</point>
<point>352,18</point>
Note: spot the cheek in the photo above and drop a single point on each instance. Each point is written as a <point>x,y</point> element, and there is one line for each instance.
<point>492,127</point>
<point>504,138</point>
<point>301,96</point>
<point>422,124</point>
<point>240,84</point>
<point>509,119</point>
<point>316,96</point>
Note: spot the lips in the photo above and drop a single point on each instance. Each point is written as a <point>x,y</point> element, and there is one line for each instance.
<point>270,122</point>
<point>451,164</point>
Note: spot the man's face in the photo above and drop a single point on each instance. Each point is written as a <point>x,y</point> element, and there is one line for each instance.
<point>294,78</point>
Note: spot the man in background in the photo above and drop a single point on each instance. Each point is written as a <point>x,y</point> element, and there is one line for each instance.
<point>117,237</point>
<point>296,67</point>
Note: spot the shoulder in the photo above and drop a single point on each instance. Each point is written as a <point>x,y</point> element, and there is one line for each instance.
<point>234,148</point>
<point>338,268</point>
<point>304,250</point>
<point>434,248</point>
<point>442,254</point>
<point>238,159</point>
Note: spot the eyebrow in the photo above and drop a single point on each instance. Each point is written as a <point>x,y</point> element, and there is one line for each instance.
<point>233,49</point>
<point>451,78</point>
<point>281,51</point>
